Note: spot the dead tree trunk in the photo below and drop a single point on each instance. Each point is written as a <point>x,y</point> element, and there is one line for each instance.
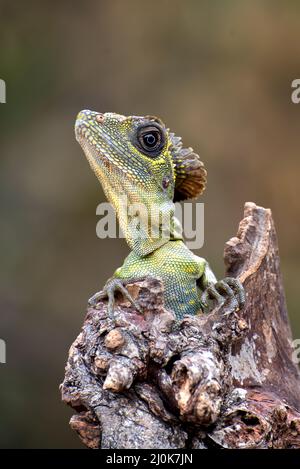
<point>224,379</point>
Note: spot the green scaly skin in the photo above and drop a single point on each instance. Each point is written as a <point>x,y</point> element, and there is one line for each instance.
<point>113,148</point>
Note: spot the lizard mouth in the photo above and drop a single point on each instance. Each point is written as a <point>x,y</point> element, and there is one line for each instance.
<point>107,150</point>
<point>96,144</point>
<point>90,138</point>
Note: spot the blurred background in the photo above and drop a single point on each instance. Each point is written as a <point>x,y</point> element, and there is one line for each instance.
<point>218,73</point>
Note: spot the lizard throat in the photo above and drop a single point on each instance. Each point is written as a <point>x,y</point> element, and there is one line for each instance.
<point>146,217</point>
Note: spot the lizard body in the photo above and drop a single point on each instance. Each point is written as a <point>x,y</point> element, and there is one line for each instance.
<point>177,267</point>
<point>140,162</point>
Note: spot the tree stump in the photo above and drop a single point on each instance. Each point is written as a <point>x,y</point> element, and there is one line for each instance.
<point>224,379</point>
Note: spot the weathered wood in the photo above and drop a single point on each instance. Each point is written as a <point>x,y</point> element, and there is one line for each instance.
<point>223,379</point>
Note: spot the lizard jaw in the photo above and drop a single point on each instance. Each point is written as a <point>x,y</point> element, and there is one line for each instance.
<point>88,138</point>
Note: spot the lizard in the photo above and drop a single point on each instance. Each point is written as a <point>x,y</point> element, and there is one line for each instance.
<point>138,159</point>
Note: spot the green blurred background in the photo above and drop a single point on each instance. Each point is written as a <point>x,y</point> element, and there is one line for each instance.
<point>218,73</point>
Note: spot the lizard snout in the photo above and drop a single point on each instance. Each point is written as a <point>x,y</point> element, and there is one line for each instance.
<point>86,115</point>
<point>86,120</point>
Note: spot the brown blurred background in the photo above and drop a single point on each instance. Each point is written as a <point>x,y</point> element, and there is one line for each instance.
<point>218,73</point>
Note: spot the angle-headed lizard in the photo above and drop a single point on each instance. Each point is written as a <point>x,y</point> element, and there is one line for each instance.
<point>140,160</point>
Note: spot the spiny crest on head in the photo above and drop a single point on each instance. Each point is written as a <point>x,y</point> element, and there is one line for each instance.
<point>190,174</point>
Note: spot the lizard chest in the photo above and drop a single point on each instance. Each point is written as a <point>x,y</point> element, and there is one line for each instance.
<point>176,266</point>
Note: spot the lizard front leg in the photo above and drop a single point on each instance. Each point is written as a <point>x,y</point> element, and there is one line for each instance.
<point>113,285</point>
<point>228,289</point>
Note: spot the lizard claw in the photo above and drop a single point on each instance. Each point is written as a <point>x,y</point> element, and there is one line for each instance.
<point>111,287</point>
<point>229,289</point>
<point>96,298</point>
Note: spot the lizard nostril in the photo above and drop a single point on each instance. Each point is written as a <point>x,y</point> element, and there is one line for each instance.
<point>100,118</point>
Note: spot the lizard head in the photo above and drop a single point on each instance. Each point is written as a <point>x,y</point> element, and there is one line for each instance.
<point>140,152</point>
<point>140,163</point>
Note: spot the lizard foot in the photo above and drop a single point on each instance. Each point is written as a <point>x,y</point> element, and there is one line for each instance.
<point>229,289</point>
<point>111,287</point>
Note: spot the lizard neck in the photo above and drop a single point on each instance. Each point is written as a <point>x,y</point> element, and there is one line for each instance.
<point>146,225</point>
<point>146,214</point>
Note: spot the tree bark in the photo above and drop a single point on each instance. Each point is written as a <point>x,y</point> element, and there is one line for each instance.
<point>225,379</point>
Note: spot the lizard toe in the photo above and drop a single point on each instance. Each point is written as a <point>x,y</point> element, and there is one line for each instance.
<point>94,300</point>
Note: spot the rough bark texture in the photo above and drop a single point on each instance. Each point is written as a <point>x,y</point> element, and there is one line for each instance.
<point>224,379</point>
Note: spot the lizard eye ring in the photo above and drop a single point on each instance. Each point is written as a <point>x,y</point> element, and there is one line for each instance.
<point>150,139</point>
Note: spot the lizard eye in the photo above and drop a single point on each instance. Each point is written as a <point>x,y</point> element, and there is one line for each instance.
<point>150,139</point>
